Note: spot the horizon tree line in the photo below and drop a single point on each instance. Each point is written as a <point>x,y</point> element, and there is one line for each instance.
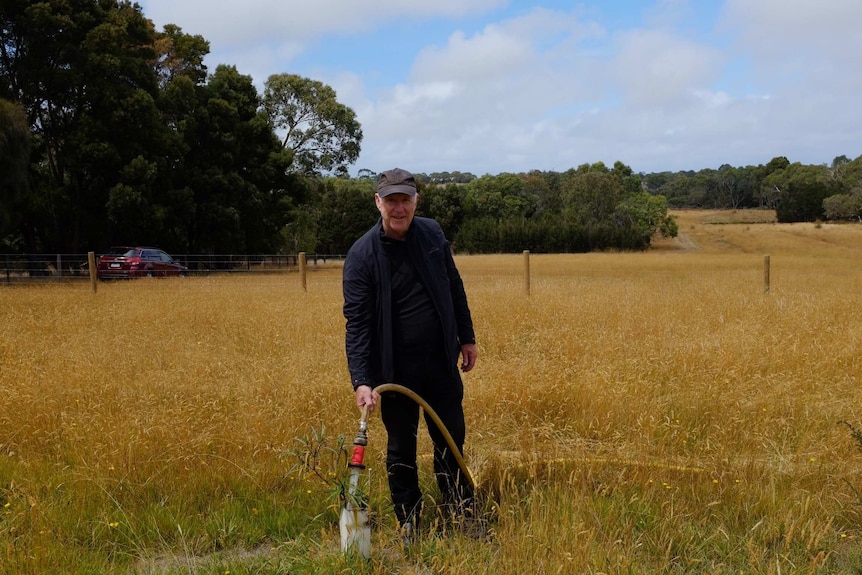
<point>112,132</point>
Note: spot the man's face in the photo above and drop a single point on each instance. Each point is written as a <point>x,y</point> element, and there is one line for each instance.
<point>397,212</point>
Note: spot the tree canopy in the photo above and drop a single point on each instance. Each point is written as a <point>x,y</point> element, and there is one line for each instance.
<point>130,140</point>
<point>322,134</point>
<point>588,208</point>
<point>112,132</point>
<point>14,158</point>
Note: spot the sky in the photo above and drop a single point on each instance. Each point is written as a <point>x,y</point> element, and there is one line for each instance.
<point>494,86</point>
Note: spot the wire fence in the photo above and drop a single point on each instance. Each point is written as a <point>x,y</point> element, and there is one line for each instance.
<point>34,268</point>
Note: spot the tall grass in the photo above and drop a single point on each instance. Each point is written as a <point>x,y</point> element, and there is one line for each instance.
<point>637,413</point>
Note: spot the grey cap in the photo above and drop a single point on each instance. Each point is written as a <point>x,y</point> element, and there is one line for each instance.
<point>396,181</point>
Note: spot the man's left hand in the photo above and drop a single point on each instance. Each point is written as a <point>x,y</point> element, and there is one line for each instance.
<point>469,354</point>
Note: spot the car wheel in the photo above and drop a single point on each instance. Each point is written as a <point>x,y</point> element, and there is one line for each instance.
<point>149,274</point>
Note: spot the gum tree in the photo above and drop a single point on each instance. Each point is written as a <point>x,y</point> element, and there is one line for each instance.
<point>82,71</point>
<point>14,158</point>
<point>322,134</point>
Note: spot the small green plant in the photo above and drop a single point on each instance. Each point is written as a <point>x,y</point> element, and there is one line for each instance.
<point>325,458</point>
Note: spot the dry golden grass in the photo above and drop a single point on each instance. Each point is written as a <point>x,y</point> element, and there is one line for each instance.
<point>638,413</point>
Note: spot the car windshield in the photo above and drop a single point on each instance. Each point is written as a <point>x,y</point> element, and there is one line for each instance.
<point>125,252</point>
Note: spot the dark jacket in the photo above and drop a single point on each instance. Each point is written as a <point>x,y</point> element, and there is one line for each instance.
<point>368,300</point>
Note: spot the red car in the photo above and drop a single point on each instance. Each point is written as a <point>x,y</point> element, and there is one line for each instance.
<point>137,262</point>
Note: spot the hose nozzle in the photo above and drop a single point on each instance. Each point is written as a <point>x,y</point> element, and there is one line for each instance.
<point>360,441</point>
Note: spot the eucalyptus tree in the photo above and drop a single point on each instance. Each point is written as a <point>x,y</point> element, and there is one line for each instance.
<point>445,204</point>
<point>14,161</point>
<point>180,55</point>
<point>346,211</point>
<point>150,203</point>
<point>801,190</point>
<point>82,70</point>
<point>768,194</point>
<point>499,197</point>
<point>322,135</point>
<point>590,196</point>
<point>546,187</point>
<point>844,206</point>
<point>848,171</point>
<point>613,208</point>
<point>234,169</point>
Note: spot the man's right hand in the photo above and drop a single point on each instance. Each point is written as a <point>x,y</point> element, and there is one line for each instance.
<point>365,395</point>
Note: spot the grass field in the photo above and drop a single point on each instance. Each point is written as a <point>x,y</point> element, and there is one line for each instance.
<point>655,412</point>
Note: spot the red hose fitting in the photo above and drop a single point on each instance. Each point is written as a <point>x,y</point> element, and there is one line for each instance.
<point>358,456</point>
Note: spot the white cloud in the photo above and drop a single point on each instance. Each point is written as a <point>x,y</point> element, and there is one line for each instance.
<point>654,68</point>
<point>480,99</point>
<point>550,108</point>
<point>796,32</point>
<point>235,24</point>
<point>492,54</point>
<point>545,89</point>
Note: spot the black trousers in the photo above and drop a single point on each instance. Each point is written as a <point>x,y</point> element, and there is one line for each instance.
<point>429,375</point>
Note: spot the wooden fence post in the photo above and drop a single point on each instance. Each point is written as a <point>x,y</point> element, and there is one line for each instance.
<point>766,274</point>
<point>527,272</point>
<point>302,271</point>
<point>91,265</point>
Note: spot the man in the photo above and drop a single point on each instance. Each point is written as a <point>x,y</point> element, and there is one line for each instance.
<point>407,322</point>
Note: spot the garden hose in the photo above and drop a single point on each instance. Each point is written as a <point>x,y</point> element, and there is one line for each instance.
<point>383,388</point>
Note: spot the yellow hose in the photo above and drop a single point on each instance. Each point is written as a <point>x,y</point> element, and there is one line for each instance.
<point>436,419</point>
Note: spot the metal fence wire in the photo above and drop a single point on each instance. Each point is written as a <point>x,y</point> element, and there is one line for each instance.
<point>24,268</point>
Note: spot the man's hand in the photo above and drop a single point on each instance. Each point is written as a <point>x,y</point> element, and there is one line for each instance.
<point>469,354</point>
<point>365,395</point>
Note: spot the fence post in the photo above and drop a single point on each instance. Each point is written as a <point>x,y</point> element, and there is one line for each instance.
<point>766,274</point>
<point>91,265</point>
<point>302,270</point>
<point>527,272</point>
